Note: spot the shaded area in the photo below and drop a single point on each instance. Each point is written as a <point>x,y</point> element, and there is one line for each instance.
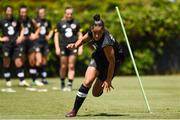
<point>104,114</point>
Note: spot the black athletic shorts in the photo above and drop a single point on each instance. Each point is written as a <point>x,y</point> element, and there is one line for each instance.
<point>19,51</point>
<point>29,46</point>
<point>102,65</point>
<point>42,47</point>
<point>11,49</point>
<point>67,52</point>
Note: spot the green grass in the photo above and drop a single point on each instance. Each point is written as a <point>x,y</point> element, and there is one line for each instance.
<point>124,102</point>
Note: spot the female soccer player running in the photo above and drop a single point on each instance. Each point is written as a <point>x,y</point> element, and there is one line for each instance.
<point>103,65</point>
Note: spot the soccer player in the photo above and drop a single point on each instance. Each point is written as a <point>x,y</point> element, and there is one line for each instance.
<point>68,31</point>
<point>42,48</point>
<point>30,34</point>
<point>12,50</point>
<point>103,65</point>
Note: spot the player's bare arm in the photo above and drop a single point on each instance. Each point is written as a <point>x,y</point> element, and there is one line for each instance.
<point>110,55</point>
<point>79,42</point>
<point>4,39</point>
<point>50,34</point>
<point>56,43</point>
<point>80,49</point>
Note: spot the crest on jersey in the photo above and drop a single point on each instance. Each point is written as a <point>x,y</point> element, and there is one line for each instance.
<point>6,54</point>
<point>14,24</point>
<point>46,24</point>
<point>64,26</point>
<point>29,25</point>
<point>6,24</point>
<point>73,26</point>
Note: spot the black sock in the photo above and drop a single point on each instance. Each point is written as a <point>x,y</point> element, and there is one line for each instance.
<point>7,74</point>
<point>62,82</point>
<point>43,72</point>
<point>80,97</point>
<point>70,81</point>
<point>20,73</point>
<point>33,73</point>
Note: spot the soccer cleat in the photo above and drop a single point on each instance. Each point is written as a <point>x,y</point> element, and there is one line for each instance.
<point>24,83</point>
<point>38,83</point>
<point>71,114</point>
<point>44,81</point>
<point>68,88</point>
<point>62,86</point>
<point>8,84</point>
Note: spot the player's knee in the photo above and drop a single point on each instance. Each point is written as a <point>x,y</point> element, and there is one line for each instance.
<point>87,83</point>
<point>63,66</point>
<point>71,66</point>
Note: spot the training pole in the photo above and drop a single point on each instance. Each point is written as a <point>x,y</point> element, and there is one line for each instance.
<point>132,58</point>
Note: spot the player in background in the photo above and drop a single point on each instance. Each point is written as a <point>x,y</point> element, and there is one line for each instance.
<point>104,62</point>
<point>12,50</point>
<point>68,31</point>
<point>41,47</point>
<point>30,34</point>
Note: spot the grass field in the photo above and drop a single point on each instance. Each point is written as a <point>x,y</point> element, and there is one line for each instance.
<point>124,102</point>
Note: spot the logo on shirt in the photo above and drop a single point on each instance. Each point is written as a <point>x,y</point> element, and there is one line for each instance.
<point>11,30</point>
<point>46,24</point>
<point>6,24</point>
<point>64,26</point>
<point>68,32</point>
<point>26,31</point>
<point>29,25</point>
<point>43,30</point>
<point>73,26</point>
<point>14,24</point>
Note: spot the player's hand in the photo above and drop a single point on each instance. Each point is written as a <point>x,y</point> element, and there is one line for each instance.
<point>71,46</point>
<point>107,86</point>
<point>47,37</point>
<point>58,51</point>
<point>4,39</point>
<point>33,37</point>
<point>19,40</point>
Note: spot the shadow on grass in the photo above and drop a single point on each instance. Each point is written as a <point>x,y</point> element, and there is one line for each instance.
<point>104,114</point>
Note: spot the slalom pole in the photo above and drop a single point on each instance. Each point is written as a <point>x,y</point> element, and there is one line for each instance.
<point>132,58</point>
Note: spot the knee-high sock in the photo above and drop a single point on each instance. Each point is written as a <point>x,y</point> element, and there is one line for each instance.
<point>20,73</point>
<point>33,73</point>
<point>43,72</point>
<point>7,74</point>
<point>80,97</point>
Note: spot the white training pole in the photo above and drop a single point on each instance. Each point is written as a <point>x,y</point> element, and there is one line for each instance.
<point>134,64</point>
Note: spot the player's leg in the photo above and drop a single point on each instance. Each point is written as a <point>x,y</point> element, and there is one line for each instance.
<point>90,76</point>
<point>6,63</point>
<point>71,71</point>
<point>43,70</point>
<point>63,70</point>
<point>44,52</point>
<point>97,88</point>
<point>18,56</point>
<point>7,73</point>
<point>32,69</point>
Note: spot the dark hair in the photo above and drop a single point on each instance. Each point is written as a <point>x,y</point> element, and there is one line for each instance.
<point>68,7</point>
<point>23,6</point>
<point>39,8</point>
<point>6,7</point>
<point>98,21</point>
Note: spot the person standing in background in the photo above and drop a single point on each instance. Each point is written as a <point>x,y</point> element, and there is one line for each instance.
<point>11,39</point>
<point>68,31</point>
<point>41,45</point>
